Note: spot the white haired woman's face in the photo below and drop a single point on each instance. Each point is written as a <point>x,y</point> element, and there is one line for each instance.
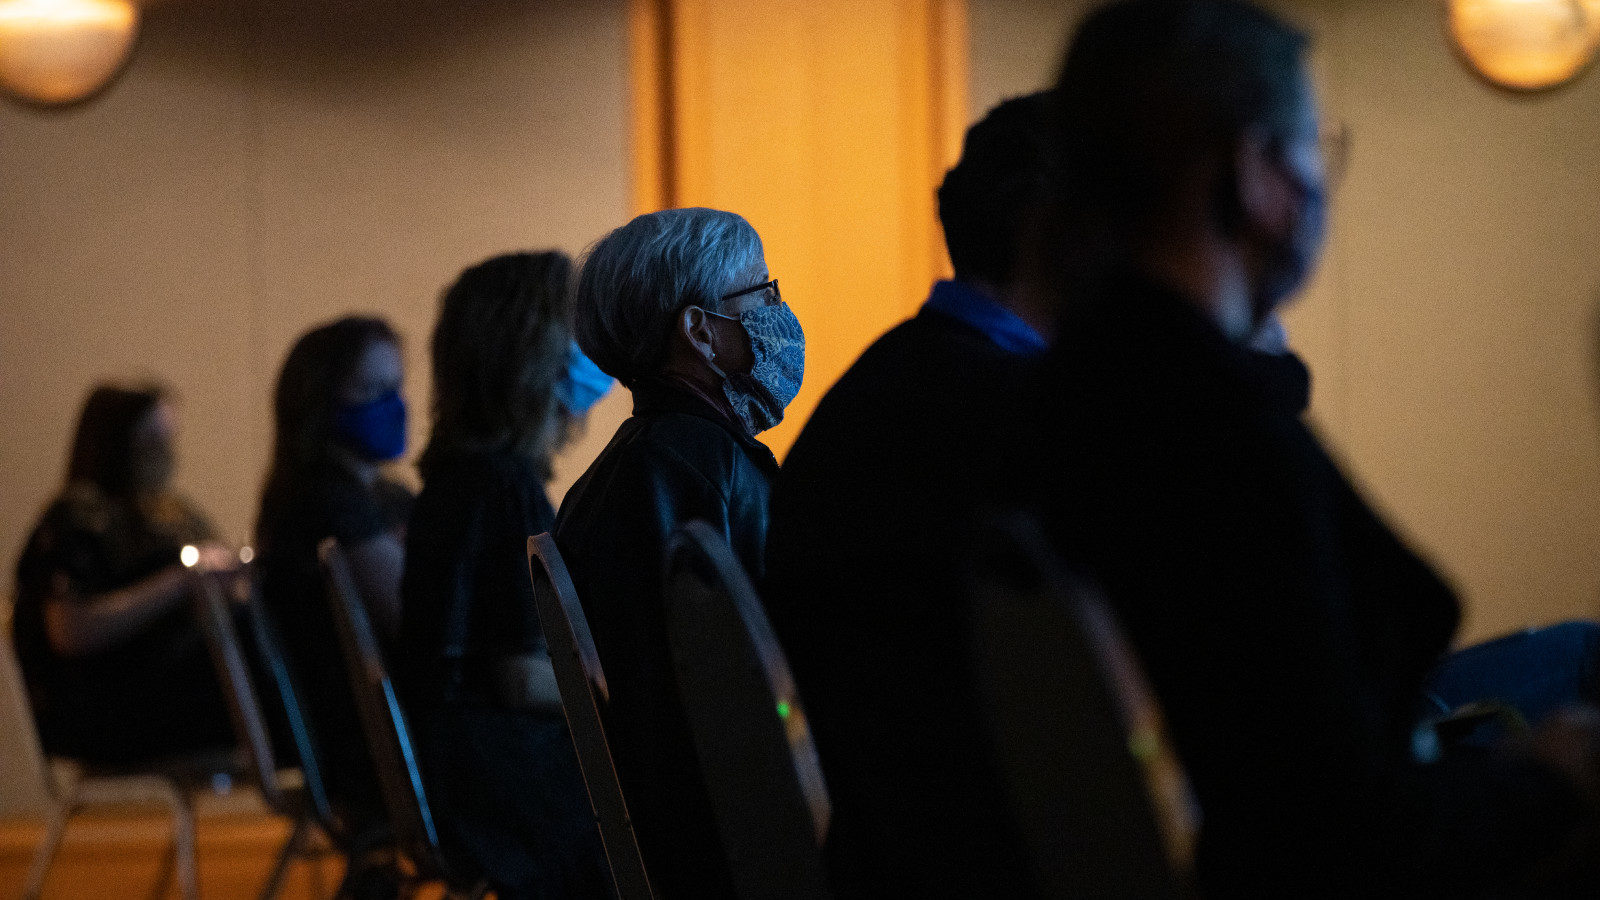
<point>730,343</point>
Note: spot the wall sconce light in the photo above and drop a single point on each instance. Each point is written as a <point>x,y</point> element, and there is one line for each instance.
<point>55,52</point>
<point>1526,45</point>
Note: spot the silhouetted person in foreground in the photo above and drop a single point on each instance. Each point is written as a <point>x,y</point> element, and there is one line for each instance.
<point>1286,629</point>
<point>501,773</point>
<point>871,513</point>
<point>115,665</point>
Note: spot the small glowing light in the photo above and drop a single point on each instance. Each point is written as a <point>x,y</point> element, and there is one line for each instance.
<point>1526,45</point>
<point>59,51</point>
<point>783,709</point>
<point>246,554</point>
<point>189,555</point>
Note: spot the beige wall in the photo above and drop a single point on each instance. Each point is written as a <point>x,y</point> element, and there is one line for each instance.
<point>265,166</point>
<point>1452,328</point>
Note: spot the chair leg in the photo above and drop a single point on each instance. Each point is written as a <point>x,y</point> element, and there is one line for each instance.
<point>46,854</point>
<point>319,883</point>
<point>293,849</point>
<point>183,842</point>
<point>169,862</point>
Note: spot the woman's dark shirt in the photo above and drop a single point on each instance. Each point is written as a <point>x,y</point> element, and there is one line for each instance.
<point>328,501</point>
<point>504,782</point>
<point>467,597</point>
<point>678,458</point>
<point>95,707</point>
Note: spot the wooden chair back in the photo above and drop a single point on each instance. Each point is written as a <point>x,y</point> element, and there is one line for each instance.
<point>583,692</point>
<point>756,754</point>
<point>1098,795</point>
<point>382,720</point>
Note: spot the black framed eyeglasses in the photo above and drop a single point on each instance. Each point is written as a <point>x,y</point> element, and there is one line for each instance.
<point>769,293</point>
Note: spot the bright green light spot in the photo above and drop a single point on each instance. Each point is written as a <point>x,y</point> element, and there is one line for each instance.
<point>783,709</point>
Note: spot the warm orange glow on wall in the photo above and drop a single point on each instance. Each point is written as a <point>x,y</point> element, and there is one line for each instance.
<point>59,51</point>
<point>828,124</point>
<point>1526,44</point>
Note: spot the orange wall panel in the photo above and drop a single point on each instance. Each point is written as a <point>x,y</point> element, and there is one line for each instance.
<point>828,125</point>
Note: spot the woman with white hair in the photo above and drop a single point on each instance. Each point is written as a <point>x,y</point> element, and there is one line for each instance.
<point>678,306</point>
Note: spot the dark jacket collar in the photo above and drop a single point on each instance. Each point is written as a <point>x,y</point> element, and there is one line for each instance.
<point>657,394</point>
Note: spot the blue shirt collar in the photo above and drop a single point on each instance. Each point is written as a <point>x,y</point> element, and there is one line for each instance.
<point>975,309</point>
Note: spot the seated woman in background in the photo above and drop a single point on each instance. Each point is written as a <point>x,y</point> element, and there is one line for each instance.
<point>502,776</point>
<point>116,668</point>
<point>339,418</point>
<point>677,306</point>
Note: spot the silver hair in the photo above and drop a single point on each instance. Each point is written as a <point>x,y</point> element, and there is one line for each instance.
<point>636,279</point>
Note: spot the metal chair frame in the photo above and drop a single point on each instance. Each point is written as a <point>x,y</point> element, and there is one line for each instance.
<point>307,808</point>
<point>582,683</point>
<point>388,737</point>
<point>72,786</point>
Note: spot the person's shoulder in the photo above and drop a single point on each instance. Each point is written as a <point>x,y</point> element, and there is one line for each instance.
<point>179,517</point>
<point>666,445</point>
<point>922,374</point>
<point>316,484</point>
<point>387,490</point>
<point>932,331</point>
<point>68,529</point>
<point>673,434</point>
<point>673,427</point>
<point>480,477</point>
<point>79,508</point>
<point>924,353</point>
<point>910,341</point>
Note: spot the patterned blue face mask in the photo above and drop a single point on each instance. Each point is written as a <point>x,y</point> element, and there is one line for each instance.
<point>375,430</point>
<point>583,384</point>
<point>778,345</point>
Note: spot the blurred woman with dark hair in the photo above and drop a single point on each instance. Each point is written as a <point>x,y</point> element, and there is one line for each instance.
<point>339,418</point>
<point>502,775</point>
<point>117,671</point>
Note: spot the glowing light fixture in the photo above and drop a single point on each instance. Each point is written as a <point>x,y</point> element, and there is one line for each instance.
<point>189,555</point>
<point>1526,45</point>
<point>60,51</point>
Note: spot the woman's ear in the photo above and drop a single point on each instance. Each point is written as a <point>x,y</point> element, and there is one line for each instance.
<point>696,328</point>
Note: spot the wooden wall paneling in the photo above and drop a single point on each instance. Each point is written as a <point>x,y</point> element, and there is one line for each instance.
<point>828,125</point>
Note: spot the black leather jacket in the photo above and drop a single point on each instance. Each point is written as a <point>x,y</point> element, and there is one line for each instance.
<point>678,458</point>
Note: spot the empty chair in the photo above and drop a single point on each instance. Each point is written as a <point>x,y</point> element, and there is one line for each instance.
<point>756,755</point>
<point>305,806</point>
<point>387,737</point>
<point>1092,786</point>
<point>583,691</point>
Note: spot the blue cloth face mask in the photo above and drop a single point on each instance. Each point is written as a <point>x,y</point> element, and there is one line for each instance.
<point>778,346</point>
<point>375,430</point>
<point>583,384</point>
